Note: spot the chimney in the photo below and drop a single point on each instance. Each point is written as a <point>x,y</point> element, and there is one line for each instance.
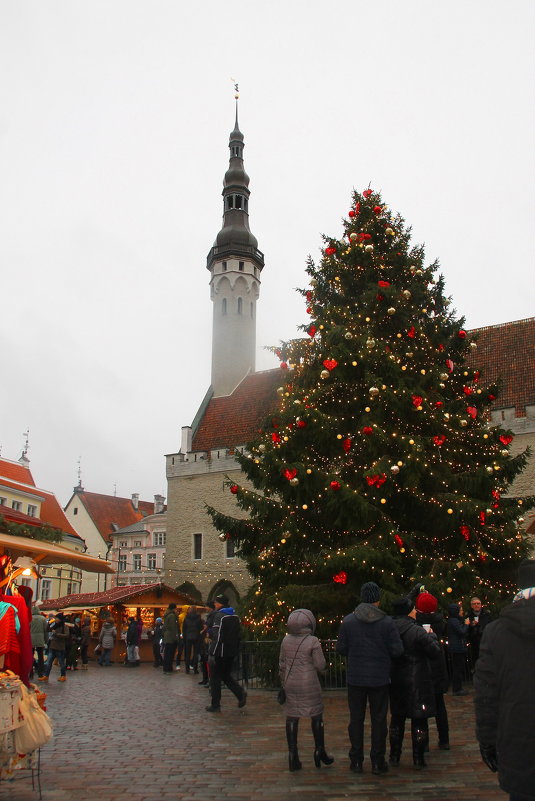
<point>135,500</point>
<point>185,444</point>
<point>159,501</point>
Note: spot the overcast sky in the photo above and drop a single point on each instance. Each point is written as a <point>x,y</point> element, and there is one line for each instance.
<point>114,125</point>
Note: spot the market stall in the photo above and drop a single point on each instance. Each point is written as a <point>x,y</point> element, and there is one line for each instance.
<point>24,725</point>
<point>143,602</point>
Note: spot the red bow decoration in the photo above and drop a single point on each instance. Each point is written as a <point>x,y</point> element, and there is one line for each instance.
<point>482,518</point>
<point>330,251</point>
<point>341,577</point>
<point>465,531</point>
<point>289,473</point>
<point>506,439</point>
<point>364,237</point>
<point>301,424</point>
<point>441,347</point>
<point>367,193</point>
<point>330,364</point>
<point>376,481</point>
<point>234,489</point>
<point>417,400</point>
<point>398,540</point>
<point>411,332</point>
<point>440,439</point>
<point>335,485</point>
<point>496,494</point>
<point>472,411</point>
<point>275,437</point>
<point>383,283</point>
<point>367,430</point>
<point>346,445</point>
<point>467,390</point>
<point>450,365</point>
<point>311,330</point>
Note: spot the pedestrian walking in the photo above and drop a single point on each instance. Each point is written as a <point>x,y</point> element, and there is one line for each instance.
<point>412,693</point>
<point>457,630</point>
<point>39,634</point>
<point>170,633</point>
<point>156,635</point>
<point>370,640</point>
<point>191,632</point>
<point>428,616</point>
<point>106,641</point>
<point>85,639</point>
<point>56,647</point>
<point>301,659</point>
<point>505,691</point>
<point>224,648</point>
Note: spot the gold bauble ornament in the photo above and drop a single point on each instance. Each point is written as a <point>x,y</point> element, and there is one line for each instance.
<point>348,335</point>
<point>262,447</point>
<point>419,272</point>
<point>403,367</point>
<point>391,311</point>
<point>285,439</point>
<point>304,506</point>
<point>294,481</point>
<point>389,232</point>
<point>473,345</point>
<point>367,409</point>
<point>504,453</point>
<point>383,500</point>
<point>444,376</point>
<point>449,589</point>
<point>353,236</point>
<point>368,248</point>
<point>309,471</point>
<point>222,537</point>
<point>411,442</point>
<point>280,390</point>
<point>394,469</point>
<point>353,364</point>
<point>446,416</point>
<point>450,511</point>
<point>490,470</point>
<point>409,354</point>
<point>463,423</point>
<point>422,372</point>
<point>373,391</point>
<point>406,294</point>
<point>324,374</point>
<point>370,343</point>
<point>297,402</point>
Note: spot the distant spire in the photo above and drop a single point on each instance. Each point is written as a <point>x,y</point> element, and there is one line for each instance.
<point>24,455</point>
<point>79,487</point>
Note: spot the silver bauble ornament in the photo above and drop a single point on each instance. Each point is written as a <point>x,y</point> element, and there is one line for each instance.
<point>391,311</point>
<point>368,248</point>
<point>394,469</point>
<point>325,374</point>
<point>406,294</point>
<point>374,391</point>
<point>348,335</point>
<point>294,481</point>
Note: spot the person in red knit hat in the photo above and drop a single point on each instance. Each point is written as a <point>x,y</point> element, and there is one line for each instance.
<point>428,616</point>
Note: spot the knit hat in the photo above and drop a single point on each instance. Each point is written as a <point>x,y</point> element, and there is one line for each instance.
<point>526,574</point>
<point>401,606</point>
<point>370,593</point>
<point>222,599</point>
<point>159,620</point>
<point>425,602</point>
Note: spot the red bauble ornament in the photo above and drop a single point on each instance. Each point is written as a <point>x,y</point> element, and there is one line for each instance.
<point>309,309</point>
<point>472,411</point>
<point>346,445</point>
<point>367,430</point>
<point>335,485</point>
<point>379,297</point>
<point>383,283</point>
<point>438,404</point>
<point>491,397</point>
<point>330,364</point>
<point>308,296</point>
<point>441,347</point>
<point>465,531</point>
<point>301,424</point>
<point>398,540</point>
<point>275,437</point>
<point>364,237</point>
<point>467,390</point>
<point>352,213</point>
<point>234,489</point>
<point>330,251</point>
<point>462,334</point>
<point>506,439</point>
<point>311,330</point>
<point>367,193</point>
<point>341,577</point>
<point>377,209</point>
<point>496,494</point>
<point>411,332</point>
<point>283,366</point>
<point>289,473</point>
<point>376,481</point>
<point>417,400</point>
<point>477,375</point>
<point>482,518</point>
<point>440,439</point>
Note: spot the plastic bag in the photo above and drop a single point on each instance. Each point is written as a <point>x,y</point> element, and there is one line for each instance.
<point>37,727</point>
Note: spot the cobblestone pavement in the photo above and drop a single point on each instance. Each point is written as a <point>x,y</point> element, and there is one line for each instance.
<point>133,734</point>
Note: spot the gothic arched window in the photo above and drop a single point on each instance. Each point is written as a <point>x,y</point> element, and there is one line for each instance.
<point>224,306</point>
<point>240,306</point>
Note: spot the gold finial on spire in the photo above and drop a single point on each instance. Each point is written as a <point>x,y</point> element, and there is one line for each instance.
<point>236,89</point>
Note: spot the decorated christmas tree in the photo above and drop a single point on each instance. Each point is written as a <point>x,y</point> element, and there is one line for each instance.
<point>378,462</point>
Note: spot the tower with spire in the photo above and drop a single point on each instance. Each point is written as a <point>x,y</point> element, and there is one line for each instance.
<point>235,264</point>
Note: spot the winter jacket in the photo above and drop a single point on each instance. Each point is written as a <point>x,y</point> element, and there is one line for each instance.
<point>170,627</point>
<point>85,634</point>
<point>225,633</point>
<point>38,628</point>
<point>300,659</point>
<point>412,693</point>
<point>505,696</point>
<point>370,640</point>
<point>439,669</point>
<point>107,635</point>
<point>457,631</point>
<point>58,635</point>
<point>475,630</point>
<point>191,626</point>
<point>131,633</point>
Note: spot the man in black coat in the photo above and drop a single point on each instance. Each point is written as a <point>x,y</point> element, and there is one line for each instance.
<point>505,691</point>
<point>225,635</point>
<point>412,693</point>
<point>478,618</point>
<point>370,640</point>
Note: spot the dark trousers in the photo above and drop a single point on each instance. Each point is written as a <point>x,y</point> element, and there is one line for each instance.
<point>60,656</point>
<point>168,654</point>
<point>157,655</point>
<point>179,650</point>
<point>458,663</point>
<point>83,653</point>
<point>357,698</point>
<point>40,650</point>
<point>221,672</point>
<point>441,719</point>
<point>191,654</point>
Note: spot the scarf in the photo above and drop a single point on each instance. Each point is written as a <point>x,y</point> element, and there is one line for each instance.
<point>527,593</point>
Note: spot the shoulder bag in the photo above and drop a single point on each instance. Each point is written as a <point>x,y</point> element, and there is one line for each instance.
<point>281,695</point>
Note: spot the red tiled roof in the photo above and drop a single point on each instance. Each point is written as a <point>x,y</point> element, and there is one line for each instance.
<point>51,512</point>
<point>12,516</point>
<point>106,510</point>
<point>114,595</point>
<point>508,351</point>
<point>16,472</point>
<point>236,419</point>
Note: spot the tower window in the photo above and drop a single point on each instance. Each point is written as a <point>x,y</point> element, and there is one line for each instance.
<point>197,546</point>
<point>224,306</point>
<point>238,201</point>
<point>230,549</point>
<point>241,266</point>
<point>240,306</point>
<point>224,266</point>
<point>230,201</point>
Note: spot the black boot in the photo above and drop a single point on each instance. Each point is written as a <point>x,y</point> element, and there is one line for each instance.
<point>419,739</point>
<point>320,754</point>
<point>396,740</point>
<point>292,726</point>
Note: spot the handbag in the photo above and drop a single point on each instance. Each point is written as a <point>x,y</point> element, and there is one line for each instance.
<point>98,648</point>
<point>37,727</point>
<point>281,695</point>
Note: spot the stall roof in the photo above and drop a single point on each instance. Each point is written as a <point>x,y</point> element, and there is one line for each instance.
<point>48,553</point>
<point>115,595</point>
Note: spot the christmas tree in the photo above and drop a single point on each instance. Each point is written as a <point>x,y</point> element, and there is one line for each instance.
<point>378,463</point>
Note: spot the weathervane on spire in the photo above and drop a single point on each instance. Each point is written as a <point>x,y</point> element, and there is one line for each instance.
<point>236,89</point>
<point>26,442</point>
<point>79,463</point>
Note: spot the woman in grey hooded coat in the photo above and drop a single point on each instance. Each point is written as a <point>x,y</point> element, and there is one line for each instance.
<point>300,660</point>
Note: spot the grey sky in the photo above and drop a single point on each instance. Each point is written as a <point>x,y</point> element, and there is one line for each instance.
<point>114,124</point>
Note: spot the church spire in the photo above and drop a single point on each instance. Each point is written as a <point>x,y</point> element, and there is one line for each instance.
<point>235,264</point>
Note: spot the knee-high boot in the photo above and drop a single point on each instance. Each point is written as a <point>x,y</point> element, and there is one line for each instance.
<point>395,734</point>
<point>419,739</point>
<point>292,727</point>
<point>320,754</point>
